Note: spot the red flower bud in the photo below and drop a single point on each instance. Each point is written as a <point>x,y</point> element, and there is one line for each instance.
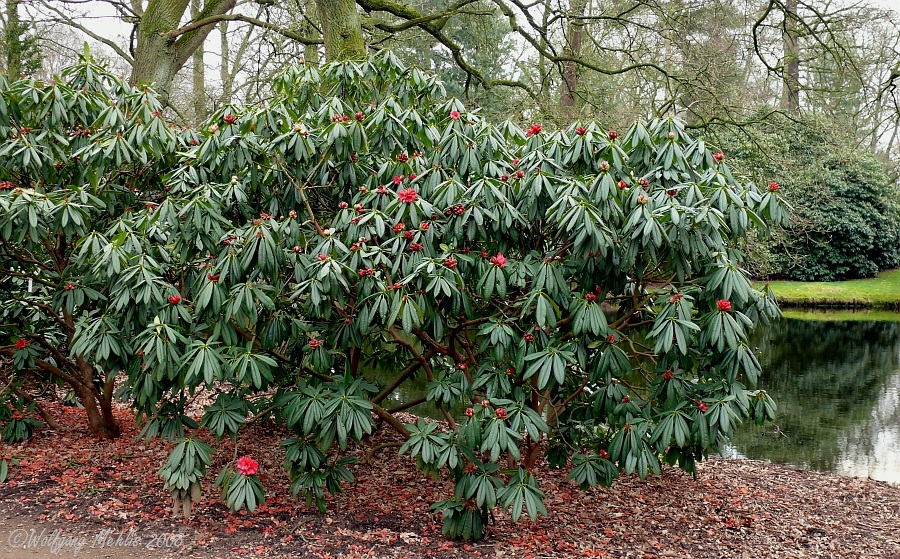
<point>718,156</point>
<point>454,115</point>
<point>581,130</point>
<point>22,344</point>
<point>773,187</point>
<point>359,116</point>
<point>724,305</point>
<point>470,412</point>
<point>314,343</point>
<point>501,413</point>
<point>613,134</point>
<point>175,299</point>
<point>528,338</point>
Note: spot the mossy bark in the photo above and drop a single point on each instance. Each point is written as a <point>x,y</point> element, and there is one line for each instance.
<point>342,30</point>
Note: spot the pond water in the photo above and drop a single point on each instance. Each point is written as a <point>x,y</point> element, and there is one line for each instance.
<point>836,379</point>
<point>837,384</point>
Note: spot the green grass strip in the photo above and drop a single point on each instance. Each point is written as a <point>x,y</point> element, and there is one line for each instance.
<point>881,292</point>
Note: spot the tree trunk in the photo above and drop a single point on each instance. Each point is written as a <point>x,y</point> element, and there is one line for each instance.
<point>11,38</point>
<point>162,50</point>
<point>198,75</point>
<point>342,30</point>
<point>575,34</point>
<point>790,96</point>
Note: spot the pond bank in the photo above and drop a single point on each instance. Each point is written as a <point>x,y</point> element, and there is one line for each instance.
<point>881,292</point>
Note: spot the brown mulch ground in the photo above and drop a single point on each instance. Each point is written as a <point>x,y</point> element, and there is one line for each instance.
<point>80,484</point>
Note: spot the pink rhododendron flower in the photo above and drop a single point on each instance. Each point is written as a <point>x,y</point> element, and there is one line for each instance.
<point>408,195</point>
<point>247,466</point>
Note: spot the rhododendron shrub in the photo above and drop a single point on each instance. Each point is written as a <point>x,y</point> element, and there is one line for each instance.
<point>80,156</point>
<point>561,292</point>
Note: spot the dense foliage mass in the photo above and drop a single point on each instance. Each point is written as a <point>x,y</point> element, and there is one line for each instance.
<point>576,294</point>
<point>846,221</point>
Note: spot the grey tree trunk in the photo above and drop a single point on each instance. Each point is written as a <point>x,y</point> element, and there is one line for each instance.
<point>790,95</point>
<point>198,75</point>
<point>575,38</point>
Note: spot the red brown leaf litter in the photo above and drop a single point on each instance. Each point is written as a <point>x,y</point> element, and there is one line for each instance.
<point>82,485</point>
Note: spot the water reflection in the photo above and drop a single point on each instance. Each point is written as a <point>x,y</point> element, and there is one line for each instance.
<point>837,384</point>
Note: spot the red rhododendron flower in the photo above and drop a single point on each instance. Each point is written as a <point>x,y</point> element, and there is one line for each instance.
<point>499,260</point>
<point>581,130</point>
<point>343,205</point>
<point>671,192</point>
<point>501,413</point>
<point>415,247</point>
<point>359,116</point>
<point>175,299</point>
<point>22,344</point>
<point>642,200</point>
<point>613,134</point>
<point>668,374</point>
<point>454,115</point>
<point>18,416</point>
<point>519,173</point>
<point>626,399</point>
<point>424,226</point>
<point>504,178</point>
<point>718,156</point>
<point>322,257</point>
<point>528,338</point>
<point>515,161</point>
<point>399,227</point>
<point>359,208</point>
<point>69,286</point>
<point>604,165</point>
<point>702,406</point>
<point>313,344</point>
<point>470,412</point>
<point>773,187</point>
<point>402,157</point>
<point>229,118</point>
<point>450,262</point>
<point>724,305</point>
<point>409,235</point>
<point>247,466</point>
<point>408,195</point>
<point>611,338</point>
<point>604,454</point>
<point>623,185</point>
<point>535,129</point>
<point>292,214</point>
<point>511,371</point>
<point>398,179</point>
<point>590,297</point>
<point>212,277</point>
<point>675,298</point>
